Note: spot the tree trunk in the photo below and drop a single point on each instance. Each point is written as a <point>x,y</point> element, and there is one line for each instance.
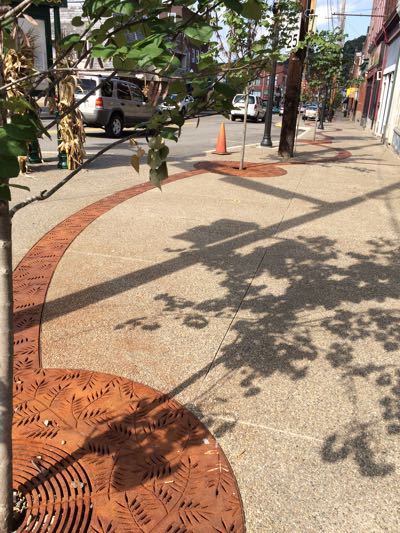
<point>292,99</point>
<point>246,108</point>
<point>6,361</point>
<point>293,90</point>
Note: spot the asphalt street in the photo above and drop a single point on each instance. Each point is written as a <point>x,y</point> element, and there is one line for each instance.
<point>197,137</point>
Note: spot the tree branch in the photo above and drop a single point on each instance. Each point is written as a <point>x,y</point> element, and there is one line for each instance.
<point>15,11</point>
<point>43,195</point>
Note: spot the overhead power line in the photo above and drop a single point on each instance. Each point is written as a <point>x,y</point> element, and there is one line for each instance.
<point>356,15</point>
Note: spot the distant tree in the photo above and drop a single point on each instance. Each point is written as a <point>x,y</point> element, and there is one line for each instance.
<point>349,49</point>
<point>324,65</point>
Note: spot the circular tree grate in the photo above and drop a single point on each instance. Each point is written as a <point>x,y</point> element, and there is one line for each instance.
<point>99,453</point>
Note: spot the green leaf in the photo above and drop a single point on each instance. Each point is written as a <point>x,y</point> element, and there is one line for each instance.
<point>9,167</point>
<point>235,5</point>
<point>177,87</point>
<point>77,21</point>
<point>252,9</point>
<point>199,32</point>
<point>21,132</point>
<point>163,152</point>
<point>225,89</point>
<point>170,133</point>
<point>153,159</point>
<point>70,40</point>
<point>159,174</point>
<point>126,7</point>
<point>11,147</point>
<point>124,64</point>
<point>5,193</point>
<point>103,51</point>
<point>176,117</point>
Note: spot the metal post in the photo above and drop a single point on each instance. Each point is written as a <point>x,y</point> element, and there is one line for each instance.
<point>62,156</point>
<point>266,140</point>
<point>323,109</point>
<point>246,109</point>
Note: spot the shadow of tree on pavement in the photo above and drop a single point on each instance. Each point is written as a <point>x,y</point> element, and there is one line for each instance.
<point>303,288</point>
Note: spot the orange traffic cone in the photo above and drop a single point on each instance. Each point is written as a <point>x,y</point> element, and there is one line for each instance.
<point>220,147</point>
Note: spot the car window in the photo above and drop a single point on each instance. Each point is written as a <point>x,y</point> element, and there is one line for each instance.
<point>241,99</point>
<point>123,92</point>
<point>85,85</point>
<point>136,93</point>
<point>107,89</point>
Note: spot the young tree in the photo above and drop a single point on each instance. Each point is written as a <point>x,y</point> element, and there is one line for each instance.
<point>103,34</point>
<point>251,48</point>
<point>324,64</point>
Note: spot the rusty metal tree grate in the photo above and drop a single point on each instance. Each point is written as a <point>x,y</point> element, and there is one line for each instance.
<point>95,452</point>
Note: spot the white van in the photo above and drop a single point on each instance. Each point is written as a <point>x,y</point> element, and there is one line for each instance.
<point>255,111</point>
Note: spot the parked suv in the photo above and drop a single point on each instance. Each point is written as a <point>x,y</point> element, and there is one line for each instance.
<point>114,105</point>
<point>255,110</point>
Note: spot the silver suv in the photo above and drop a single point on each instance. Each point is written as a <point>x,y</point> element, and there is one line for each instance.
<point>114,105</point>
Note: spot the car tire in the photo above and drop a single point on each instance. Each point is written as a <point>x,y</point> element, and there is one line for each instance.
<point>115,126</point>
<point>233,118</point>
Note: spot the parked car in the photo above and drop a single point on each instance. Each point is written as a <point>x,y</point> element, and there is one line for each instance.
<point>311,112</point>
<point>275,109</point>
<point>255,110</point>
<point>115,105</point>
<point>182,105</point>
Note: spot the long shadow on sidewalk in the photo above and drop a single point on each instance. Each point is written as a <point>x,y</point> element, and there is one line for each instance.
<point>102,291</point>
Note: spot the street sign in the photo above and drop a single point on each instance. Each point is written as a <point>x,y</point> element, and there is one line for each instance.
<point>295,35</point>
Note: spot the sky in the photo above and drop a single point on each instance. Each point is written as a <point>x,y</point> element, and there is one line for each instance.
<point>354,26</point>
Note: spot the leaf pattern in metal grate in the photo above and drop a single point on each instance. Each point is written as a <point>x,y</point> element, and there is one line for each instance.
<point>96,452</point>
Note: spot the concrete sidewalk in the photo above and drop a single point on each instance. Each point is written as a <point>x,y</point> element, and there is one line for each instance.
<point>269,306</point>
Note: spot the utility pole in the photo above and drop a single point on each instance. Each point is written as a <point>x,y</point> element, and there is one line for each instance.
<point>342,19</point>
<point>293,87</point>
<point>342,23</point>
<point>266,140</point>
